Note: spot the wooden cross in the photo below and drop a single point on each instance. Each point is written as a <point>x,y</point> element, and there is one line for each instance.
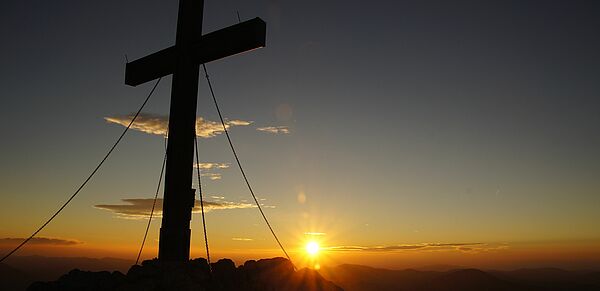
<point>183,61</point>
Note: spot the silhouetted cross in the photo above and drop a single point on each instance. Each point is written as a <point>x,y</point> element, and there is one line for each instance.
<point>183,60</point>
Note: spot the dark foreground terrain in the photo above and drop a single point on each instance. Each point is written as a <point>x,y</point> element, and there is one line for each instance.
<point>274,274</point>
<point>267,274</point>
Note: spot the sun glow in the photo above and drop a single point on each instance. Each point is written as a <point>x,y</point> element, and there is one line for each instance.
<point>312,248</point>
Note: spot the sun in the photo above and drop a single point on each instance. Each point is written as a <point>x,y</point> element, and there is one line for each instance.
<point>312,248</point>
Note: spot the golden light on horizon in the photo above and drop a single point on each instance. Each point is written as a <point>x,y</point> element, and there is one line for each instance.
<point>312,248</point>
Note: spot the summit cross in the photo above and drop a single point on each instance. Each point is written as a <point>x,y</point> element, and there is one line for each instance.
<point>183,60</point>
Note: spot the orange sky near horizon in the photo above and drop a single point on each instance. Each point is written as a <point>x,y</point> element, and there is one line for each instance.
<point>566,255</point>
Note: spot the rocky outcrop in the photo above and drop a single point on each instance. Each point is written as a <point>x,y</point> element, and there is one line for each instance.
<point>262,275</point>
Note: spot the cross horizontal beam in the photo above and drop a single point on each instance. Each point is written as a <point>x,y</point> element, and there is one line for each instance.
<point>232,40</point>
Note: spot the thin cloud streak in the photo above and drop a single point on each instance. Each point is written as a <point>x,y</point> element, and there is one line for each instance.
<point>208,169</point>
<point>463,247</point>
<point>212,176</point>
<point>210,166</point>
<point>274,129</point>
<point>138,208</point>
<point>40,241</point>
<point>241,239</point>
<point>158,124</point>
<point>314,233</point>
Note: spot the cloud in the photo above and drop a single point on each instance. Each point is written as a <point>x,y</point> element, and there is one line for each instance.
<point>209,166</point>
<point>207,128</point>
<point>145,122</point>
<point>158,124</point>
<point>141,207</point>
<point>241,239</point>
<point>237,122</point>
<point>46,241</point>
<point>464,247</point>
<point>212,176</point>
<point>274,129</point>
<point>314,233</point>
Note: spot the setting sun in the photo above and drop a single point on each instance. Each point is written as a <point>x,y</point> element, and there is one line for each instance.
<point>312,248</point>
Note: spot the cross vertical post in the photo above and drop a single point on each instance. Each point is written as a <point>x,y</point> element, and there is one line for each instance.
<point>175,234</point>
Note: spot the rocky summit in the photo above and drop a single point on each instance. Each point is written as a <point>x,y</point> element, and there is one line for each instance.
<point>264,275</point>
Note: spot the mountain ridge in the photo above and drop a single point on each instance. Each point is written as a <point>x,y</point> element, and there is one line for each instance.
<point>19,272</point>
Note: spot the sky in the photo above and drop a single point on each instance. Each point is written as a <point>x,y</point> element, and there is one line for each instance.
<point>393,133</point>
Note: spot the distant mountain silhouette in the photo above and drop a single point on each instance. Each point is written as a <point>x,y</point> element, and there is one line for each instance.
<point>362,278</point>
<point>267,275</point>
<point>470,279</point>
<point>440,268</point>
<point>358,277</point>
